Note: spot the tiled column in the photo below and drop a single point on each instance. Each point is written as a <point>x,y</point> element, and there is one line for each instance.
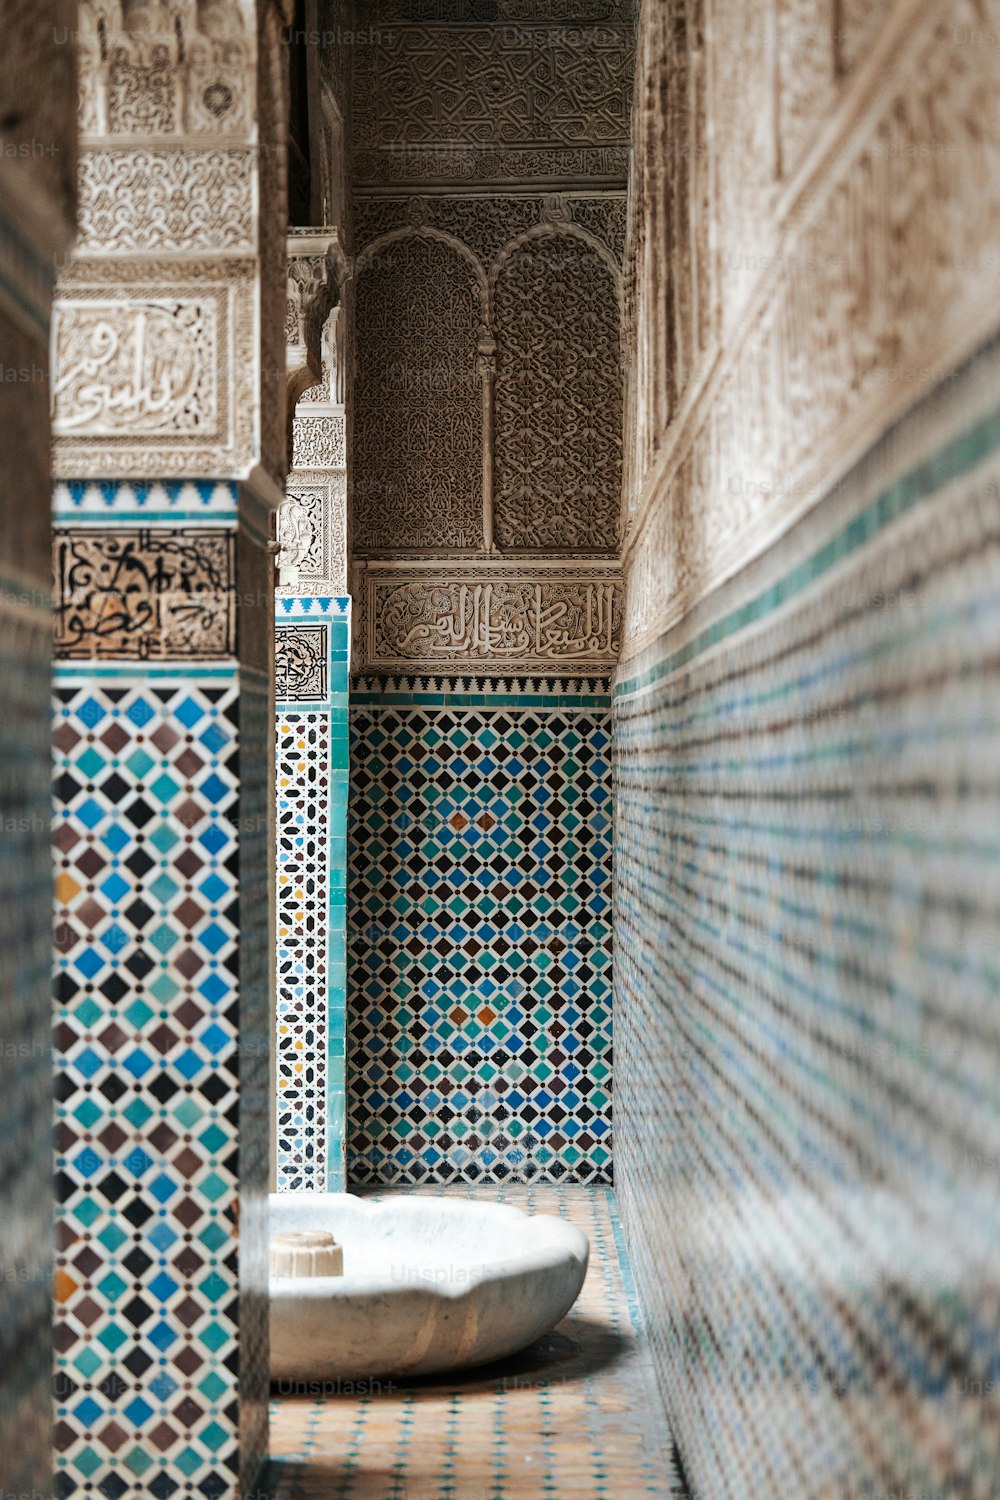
<point>170,461</point>
<point>312,772</point>
<point>312,660</point>
<point>37,137</point>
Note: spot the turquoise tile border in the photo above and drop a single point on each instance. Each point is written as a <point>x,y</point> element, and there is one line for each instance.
<point>118,502</point>
<point>553,702</point>
<point>926,479</point>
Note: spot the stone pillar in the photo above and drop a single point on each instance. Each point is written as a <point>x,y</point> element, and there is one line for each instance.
<point>312,660</point>
<point>168,417</point>
<point>37,192</point>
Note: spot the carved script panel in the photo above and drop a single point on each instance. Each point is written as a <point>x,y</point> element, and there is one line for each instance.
<point>558,397</point>
<point>156,368</point>
<point>301,663</point>
<point>499,618</point>
<point>418,441</point>
<point>144,368</point>
<point>144,594</point>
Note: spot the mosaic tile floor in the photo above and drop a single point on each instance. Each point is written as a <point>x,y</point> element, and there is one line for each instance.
<point>576,1417</point>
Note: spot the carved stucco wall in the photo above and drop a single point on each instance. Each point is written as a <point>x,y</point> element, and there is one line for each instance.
<point>419,431</point>
<point>170,449</point>
<point>37,203</point>
<point>489,239</point>
<point>804,721</point>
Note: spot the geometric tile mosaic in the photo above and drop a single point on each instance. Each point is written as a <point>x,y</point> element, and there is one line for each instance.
<point>303,875</point>
<point>147,1332</point>
<point>479,943</point>
<point>576,1416</point>
<point>808,993</point>
<point>312,645</point>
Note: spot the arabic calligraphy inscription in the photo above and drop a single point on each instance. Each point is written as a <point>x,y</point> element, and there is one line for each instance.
<point>144,593</point>
<point>135,368</point>
<point>517,620</point>
<point>300,661</point>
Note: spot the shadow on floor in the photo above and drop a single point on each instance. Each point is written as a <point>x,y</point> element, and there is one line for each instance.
<point>577,1350</point>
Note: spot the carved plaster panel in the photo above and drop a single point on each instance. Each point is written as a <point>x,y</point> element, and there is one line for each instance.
<point>493,618</point>
<point>806,72</point>
<point>153,200</point>
<point>312,534</point>
<point>155,369</point>
<point>493,103</point>
<point>418,433</point>
<point>538,86</point>
<point>558,395</point>
<point>159,69</point>
<point>319,442</point>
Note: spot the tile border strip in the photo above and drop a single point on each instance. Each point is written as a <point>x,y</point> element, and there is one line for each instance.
<point>930,476</point>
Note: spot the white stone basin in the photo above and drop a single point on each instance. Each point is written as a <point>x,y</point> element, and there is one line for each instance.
<point>428,1284</point>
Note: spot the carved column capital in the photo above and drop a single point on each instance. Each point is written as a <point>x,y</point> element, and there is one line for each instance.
<point>315,281</point>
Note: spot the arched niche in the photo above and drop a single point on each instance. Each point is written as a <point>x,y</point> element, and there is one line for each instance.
<point>418,428</point>
<point>558,462</point>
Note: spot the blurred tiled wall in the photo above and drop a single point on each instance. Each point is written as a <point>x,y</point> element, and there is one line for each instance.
<point>807,1025</point>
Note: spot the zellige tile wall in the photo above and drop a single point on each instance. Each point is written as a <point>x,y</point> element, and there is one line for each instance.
<point>479,937</point>
<point>807,901</point>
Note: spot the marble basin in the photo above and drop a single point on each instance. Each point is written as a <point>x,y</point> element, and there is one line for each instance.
<point>428,1284</point>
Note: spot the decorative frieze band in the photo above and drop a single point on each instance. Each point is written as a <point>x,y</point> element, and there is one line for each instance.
<point>522,692</point>
<point>527,618</point>
<point>150,199</point>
